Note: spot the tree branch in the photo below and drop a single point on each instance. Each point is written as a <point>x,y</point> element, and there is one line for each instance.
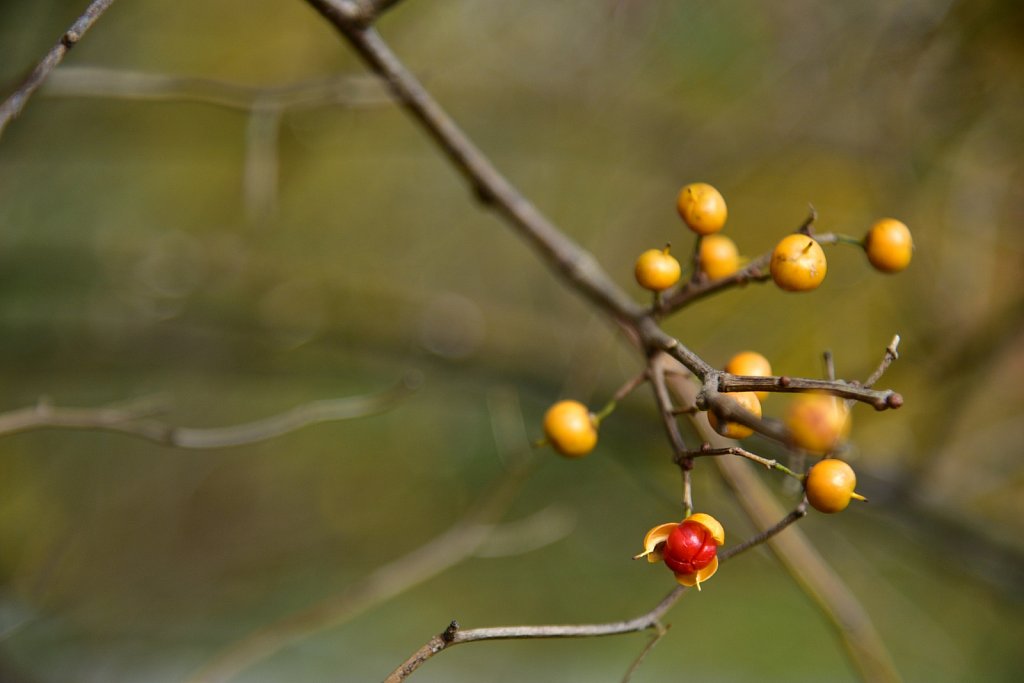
<point>129,420</point>
<point>556,250</point>
<point>91,81</point>
<point>453,635</point>
<point>17,100</point>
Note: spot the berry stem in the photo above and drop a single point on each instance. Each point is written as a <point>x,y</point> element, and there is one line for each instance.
<point>608,409</point>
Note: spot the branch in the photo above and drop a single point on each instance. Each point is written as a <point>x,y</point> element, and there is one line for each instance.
<point>129,421</point>
<point>878,399</point>
<point>453,635</point>
<point>88,81</point>
<point>16,101</point>
<point>560,253</point>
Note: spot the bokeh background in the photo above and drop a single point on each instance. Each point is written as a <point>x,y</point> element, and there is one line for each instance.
<point>243,249</point>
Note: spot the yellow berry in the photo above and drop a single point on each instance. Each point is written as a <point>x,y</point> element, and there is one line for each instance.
<point>719,256</point>
<point>752,364</point>
<point>702,208</point>
<point>735,430</point>
<point>830,485</point>
<point>798,263</point>
<point>657,270</point>
<point>889,245</point>
<point>570,429</point>
<point>818,422</point>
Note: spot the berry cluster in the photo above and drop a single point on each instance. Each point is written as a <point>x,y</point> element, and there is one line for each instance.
<point>816,422</point>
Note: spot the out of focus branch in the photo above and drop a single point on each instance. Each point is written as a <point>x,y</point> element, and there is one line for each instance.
<point>460,541</point>
<point>16,101</point>
<point>90,81</point>
<point>131,420</point>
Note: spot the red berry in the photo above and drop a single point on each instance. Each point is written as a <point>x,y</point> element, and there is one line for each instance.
<point>689,548</point>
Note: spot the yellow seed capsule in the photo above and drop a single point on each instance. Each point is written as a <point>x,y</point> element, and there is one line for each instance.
<point>798,263</point>
<point>719,256</point>
<point>735,430</point>
<point>752,364</point>
<point>818,422</point>
<point>570,428</point>
<point>889,245</point>
<point>702,208</point>
<point>657,270</point>
<point>830,485</point>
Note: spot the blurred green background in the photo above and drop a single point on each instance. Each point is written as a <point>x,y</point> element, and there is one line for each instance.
<point>242,263</point>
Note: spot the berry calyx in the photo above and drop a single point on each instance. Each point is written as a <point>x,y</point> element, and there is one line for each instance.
<point>817,422</point>
<point>657,270</point>
<point>830,485</point>
<point>735,430</point>
<point>689,548</point>
<point>751,364</point>
<point>702,208</point>
<point>719,256</point>
<point>798,263</point>
<point>889,245</point>
<point>570,428</point>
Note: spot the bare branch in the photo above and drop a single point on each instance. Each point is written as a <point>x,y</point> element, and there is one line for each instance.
<point>17,100</point>
<point>453,635</point>
<point>89,81</point>
<point>878,399</point>
<point>891,354</point>
<point>559,252</point>
<point>129,421</point>
<point>799,512</point>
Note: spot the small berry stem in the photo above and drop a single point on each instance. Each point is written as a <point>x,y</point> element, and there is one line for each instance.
<point>840,238</point>
<point>608,409</point>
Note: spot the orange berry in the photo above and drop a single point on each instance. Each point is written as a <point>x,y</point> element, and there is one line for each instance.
<point>702,208</point>
<point>830,485</point>
<point>818,422</point>
<point>735,430</point>
<point>570,428</point>
<point>752,364</point>
<point>889,245</point>
<point>657,270</point>
<point>719,256</point>
<point>798,263</point>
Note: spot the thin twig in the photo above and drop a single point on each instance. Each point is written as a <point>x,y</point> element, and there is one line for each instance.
<point>681,453</point>
<point>771,464</point>
<point>766,535</point>
<point>659,633</point>
<point>17,100</point>
<point>129,421</point>
<point>89,81</point>
<point>453,635</point>
<point>891,354</point>
<point>878,399</point>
